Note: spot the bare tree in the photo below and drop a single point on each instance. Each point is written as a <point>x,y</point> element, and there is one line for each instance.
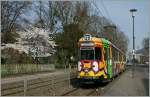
<point>82,16</point>
<point>65,11</point>
<point>11,12</point>
<point>118,38</point>
<point>89,19</point>
<point>39,10</point>
<point>47,13</point>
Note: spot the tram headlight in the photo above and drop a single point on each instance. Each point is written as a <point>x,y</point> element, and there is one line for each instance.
<point>95,66</point>
<point>79,66</point>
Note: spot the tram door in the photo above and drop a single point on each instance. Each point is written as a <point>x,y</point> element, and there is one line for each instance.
<point>108,62</point>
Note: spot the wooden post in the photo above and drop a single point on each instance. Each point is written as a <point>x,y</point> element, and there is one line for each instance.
<point>53,89</point>
<point>69,74</point>
<point>25,87</point>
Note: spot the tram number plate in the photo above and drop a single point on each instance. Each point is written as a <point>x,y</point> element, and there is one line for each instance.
<point>86,74</point>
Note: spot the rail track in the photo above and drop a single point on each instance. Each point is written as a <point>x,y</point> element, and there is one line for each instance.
<point>79,92</point>
<point>65,85</point>
<point>28,86</point>
<point>86,90</point>
<point>91,89</point>
<point>83,89</point>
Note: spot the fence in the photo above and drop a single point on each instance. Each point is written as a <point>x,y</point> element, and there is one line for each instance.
<point>11,69</point>
<point>35,86</point>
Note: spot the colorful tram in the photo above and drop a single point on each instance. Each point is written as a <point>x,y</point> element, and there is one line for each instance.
<point>99,59</point>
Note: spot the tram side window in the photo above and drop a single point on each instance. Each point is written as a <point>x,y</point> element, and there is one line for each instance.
<point>105,54</point>
<point>97,53</point>
<point>108,53</point>
<point>114,52</point>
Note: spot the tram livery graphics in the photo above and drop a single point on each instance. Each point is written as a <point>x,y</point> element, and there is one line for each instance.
<point>99,59</point>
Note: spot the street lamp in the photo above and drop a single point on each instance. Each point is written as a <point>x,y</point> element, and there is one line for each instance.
<point>133,52</point>
<point>132,12</point>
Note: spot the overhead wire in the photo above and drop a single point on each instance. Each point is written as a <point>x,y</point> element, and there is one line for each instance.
<point>106,11</point>
<point>99,12</point>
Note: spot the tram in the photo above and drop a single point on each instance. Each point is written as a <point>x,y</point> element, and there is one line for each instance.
<point>99,59</point>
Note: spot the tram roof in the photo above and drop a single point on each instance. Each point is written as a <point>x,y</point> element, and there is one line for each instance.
<point>94,39</point>
<point>103,41</point>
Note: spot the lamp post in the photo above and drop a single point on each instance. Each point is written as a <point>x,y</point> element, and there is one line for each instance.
<point>133,52</point>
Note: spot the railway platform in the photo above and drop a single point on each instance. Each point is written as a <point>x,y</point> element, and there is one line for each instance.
<point>131,83</point>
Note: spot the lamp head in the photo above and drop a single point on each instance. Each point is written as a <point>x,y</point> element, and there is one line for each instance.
<point>133,10</point>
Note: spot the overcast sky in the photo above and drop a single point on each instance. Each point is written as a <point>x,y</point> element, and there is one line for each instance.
<point>118,11</point>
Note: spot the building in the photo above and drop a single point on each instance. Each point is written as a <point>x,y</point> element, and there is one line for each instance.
<point>139,56</point>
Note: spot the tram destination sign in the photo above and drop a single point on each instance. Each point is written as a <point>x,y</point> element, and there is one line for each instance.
<point>87,37</point>
<point>87,44</point>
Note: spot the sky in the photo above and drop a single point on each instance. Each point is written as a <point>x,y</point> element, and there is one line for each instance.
<point>118,12</point>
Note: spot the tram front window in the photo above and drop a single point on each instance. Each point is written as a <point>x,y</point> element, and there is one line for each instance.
<point>90,53</point>
<point>87,54</point>
<point>98,53</point>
